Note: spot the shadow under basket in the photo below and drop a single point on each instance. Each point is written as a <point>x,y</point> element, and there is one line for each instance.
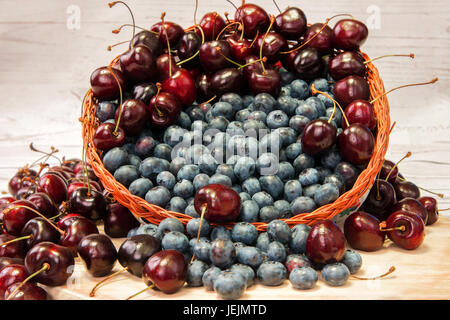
<point>339,209</point>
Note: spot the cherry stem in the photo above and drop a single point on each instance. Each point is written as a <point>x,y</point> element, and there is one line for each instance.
<point>228,25</point>
<point>228,59</point>
<point>411,55</point>
<point>226,17</point>
<point>16,240</point>
<point>163,25</point>
<point>198,51</point>
<point>444,210</point>
<point>405,86</point>
<point>121,100</point>
<point>396,165</point>
<point>264,59</point>
<point>45,267</point>
<point>312,38</point>
<point>254,39</point>
<point>335,103</point>
<point>58,215</point>
<point>392,127</point>
<point>214,25</point>
<point>229,1</point>
<point>204,208</point>
<point>440,195</point>
<point>391,269</point>
<point>382,227</point>
<point>142,291</point>
<point>276,5</point>
<point>116,31</point>
<point>46,155</point>
<point>195,16</point>
<point>7,210</point>
<point>131,13</point>
<point>158,86</point>
<point>272,20</point>
<point>208,101</point>
<point>85,171</point>
<point>117,44</point>
<point>94,289</point>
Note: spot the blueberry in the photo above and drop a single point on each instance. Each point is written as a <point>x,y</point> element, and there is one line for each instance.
<point>272,185</point>
<point>230,285</point>
<point>140,187</point>
<point>293,150</point>
<point>236,145</point>
<point>327,102</point>
<point>308,177</point>
<point>264,102</point>
<point>234,99</point>
<point>224,109</point>
<point>352,260</point>
<point>200,181</point>
<point>326,194</point>
<point>255,128</point>
<point>244,196</point>
<point>188,172</point>
<point>177,204</point>
<point>195,113</point>
<point>284,207</point>
<point>303,162</point>
<point>132,232</point>
<point>323,173</point>
<point>184,189</point>
<point>263,199</point>
<point>279,231</point>
<point>331,159</point>
<point>292,190</point>
<point>209,276</point>
<point>150,229</point>
<point>220,232</point>
<point>247,100</point>
<point>257,115</point>
<point>235,128</point>
<point>163,151</point>
<point>237,188</point>
<point>297,244</point>
<point>286,76</point>
<point>285,91</point>
<point>244,168</point>
<point>285,171</point>
<point>307,110</point>
<point>271,273</point>
<point>152,166</point>
<point>348,172</point>
<point>317,104</point>
<point>175,240</point>
<point>184,120</point>
<point>115,158</point>
<point>336,180</point>
<point>276,252</point>
<point>337,118</point>
<point>320,84</point>
<point>299,89</point>
<point>335,274</point>
<point>223,253</point>
<point>193,226</point>
<point>263,241</point>
<point>244,232</point>
<point>246,271</point>
<point>220,123</point>
<point>271,142</point>
<point>298,122</point>
<point>126,175</point>
<point>195,272</point>
<point>134,160</point>
<point>207,164</point>
<point>166,179</point>
<point>220,179</point>
<point>202,249</point>
<point>286,135</point>
<point>145,146</point>
<point>250,256</point>
<point>287,104</point>
<point>249,211</point>
<point>309,191</point>
<point>297,260</point>
<point>301,227</point>
<point>267,163</point>
<point>277,119</point>
<point>106,110</point>
<point>170,224</point>
<point>242,115</point>
<point>174,135</point>
<point>227,170</point>
<point>303,278</point>
<point>190,211</point>
<point>269,213</point>
<point>302,205</point>
<point>176,164</point>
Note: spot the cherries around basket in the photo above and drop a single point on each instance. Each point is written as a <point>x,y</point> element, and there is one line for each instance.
<point>217,81</point>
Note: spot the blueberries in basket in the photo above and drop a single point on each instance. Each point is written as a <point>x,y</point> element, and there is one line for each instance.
<point>166,179</point>
<point>115,158</point>
<point>302,205</point>
<point>140,187</point>
<point>126,175</point>
<point>326,194</point>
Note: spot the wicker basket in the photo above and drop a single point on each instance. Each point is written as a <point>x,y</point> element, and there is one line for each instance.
<point>346,203</point>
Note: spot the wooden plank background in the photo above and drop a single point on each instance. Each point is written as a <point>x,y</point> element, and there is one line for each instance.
<point>47,56</point>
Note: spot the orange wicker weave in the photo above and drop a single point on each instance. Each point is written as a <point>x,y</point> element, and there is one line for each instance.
<point>347,201</point>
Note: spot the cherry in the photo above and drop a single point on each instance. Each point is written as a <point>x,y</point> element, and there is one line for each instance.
<point>6,261</point>
<point>148,39</point>
<point>90,204</point>
<point>203,84</point>
<point>251,66</point>
<point>14,249</point>
<point>182,85</point>
<point>346,64</point>
<point>119,221</point>
<point>227,80</point>
<point>267,81</point>
<point>325,242</point>
<point>11,274</point>
<point>319,37</point>
<point>74,229</point>
<point>254,19</point>
<point>272,44</point>
<point>307,63</point>
<point>54,186</point>
<point>351,88</point>
<point>431,207</point>
<point>212,24</point>
<point>106,83</point>
<point>26,291</point>
<point>4,202</point>
<point>408,229</point>
<point>349,34</point>
<point>174,33</point>
<point>380,199</point>
<point>240,48</point>
<point>318,136</point>
<point>79,184</point>
<point>405,189</point>
<point>20,180</point>
<point>164,110</point>
<point>189,45</point>
<point>362,231</point>
<point>39,230</point>
<point>16,215</point>
<point>217,203</point>
<point>132,116</point>
<point>165,67</point>
<point>389,168</point>
<point>145,91</point>
<point>25,192</point>
<point>138,64</point>
<point>53,264</point>
<point>356,144</point>
<point>213,55</point>
<point>291,23</point>
<point>65,172</point>
<point>360,111</point>
<point>44,204</point>
<point>411,205</point>
<point>98,253</point>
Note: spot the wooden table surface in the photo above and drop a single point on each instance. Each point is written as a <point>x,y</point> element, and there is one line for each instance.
<point>49,48</point>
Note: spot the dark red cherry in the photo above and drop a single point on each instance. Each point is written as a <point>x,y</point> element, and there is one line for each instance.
<point>44,204</point>
<point>288,61</point>
<point>40,231</point>
<point>75,229</point>
<point>389,168</point>
<point>240,48</point>
<point>174,33</point>
<point>213,59</point>
<point>106,137</point>
<point>16,215</point>
<point>318,136</point>
<point>181,85</point>
<point>189,45</point>
<point>406,189</point>
<point>362,231</point>
<point>411,229</point>
<point>291,23</point>
<point>167,270</point>
<point>251,66</point>
<point>14,250</point>
<point>350,89</point>
<point>79,184</point>
<point>431,207</point>
<point>323,42</point>
<point>272,46</point>
<point>308,63</point>
<point>203,84</point>
<point>11,274</point>
<point>254,19</point>
<point>57,259</point>
<point>138,64</point>
<point>135,251</point>
<point>4,202</point>
<point>164,110</point>
<point>144,91</point>
<point>212,24</point>
<point>360,111</point>
<point>25,192</point>
<point>268,81</point>
<point>6,261</point>
<point>411,205</point>
<point>91,205</point>
<point>325,242</point>
<point>23,178</point>
<point>133,116</point>
<point>119,220</point>
<point>165,69</point>
<point>98,253</point>
<point>54,186</point>
<point>349,34</point>
<point>356,144</point>
<point>222,204</point>
<point>380,199</point>
<point>26,291</point>
<point>227,80</point>
<point>105,85</point>
<point>346,64</point>
<point>148,39</point>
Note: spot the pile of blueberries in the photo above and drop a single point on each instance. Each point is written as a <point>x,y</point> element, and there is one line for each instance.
<point>249,143</point>
<point>228,262</point>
